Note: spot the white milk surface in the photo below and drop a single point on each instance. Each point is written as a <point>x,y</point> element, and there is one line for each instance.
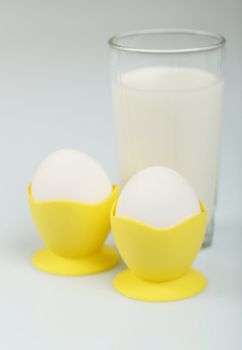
<point>170,116</point>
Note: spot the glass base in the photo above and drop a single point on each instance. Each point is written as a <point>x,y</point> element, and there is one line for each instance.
<point>208,238</point>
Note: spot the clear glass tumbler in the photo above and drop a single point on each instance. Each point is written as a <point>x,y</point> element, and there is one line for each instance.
<point>167,88</point>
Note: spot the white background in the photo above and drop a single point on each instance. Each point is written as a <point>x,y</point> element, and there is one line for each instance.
<point>55,93</point>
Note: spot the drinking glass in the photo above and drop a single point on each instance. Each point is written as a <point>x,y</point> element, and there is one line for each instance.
<point>167,88</point>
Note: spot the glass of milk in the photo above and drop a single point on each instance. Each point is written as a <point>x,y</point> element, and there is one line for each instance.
<point>167,88</point>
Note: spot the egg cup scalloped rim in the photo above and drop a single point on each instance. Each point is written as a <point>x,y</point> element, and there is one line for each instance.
<point>154,228</point>
<point>115,190</point>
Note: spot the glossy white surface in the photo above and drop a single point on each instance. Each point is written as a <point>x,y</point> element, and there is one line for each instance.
<point>40,311</point>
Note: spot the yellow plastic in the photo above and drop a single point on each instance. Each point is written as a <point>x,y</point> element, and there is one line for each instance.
<point>159,260</point>
<point>73,234</point>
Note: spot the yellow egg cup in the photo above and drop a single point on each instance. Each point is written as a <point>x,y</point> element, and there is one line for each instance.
<point>73,234</point>
<point>159,260</point>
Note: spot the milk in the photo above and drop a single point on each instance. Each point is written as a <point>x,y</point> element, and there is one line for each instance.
<point>170,116</point>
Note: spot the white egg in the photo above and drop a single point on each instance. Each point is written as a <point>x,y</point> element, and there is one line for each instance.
<point>70,175</point>
<point>159,197</point>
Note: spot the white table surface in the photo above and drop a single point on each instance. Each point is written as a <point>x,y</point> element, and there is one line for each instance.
<point>40,311</point>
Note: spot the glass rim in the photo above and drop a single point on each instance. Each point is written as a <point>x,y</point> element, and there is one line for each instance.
<point>219,43</point>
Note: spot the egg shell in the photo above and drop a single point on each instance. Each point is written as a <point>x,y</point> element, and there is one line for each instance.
<point>159,197</point>
<point>71,175</point>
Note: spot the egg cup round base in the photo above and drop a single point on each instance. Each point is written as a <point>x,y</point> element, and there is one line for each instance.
<point>51,263</point>
<point>190,284</point>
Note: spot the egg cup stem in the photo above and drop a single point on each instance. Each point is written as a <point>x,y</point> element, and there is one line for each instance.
<point>188,285</point>
<point>49,262</point>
